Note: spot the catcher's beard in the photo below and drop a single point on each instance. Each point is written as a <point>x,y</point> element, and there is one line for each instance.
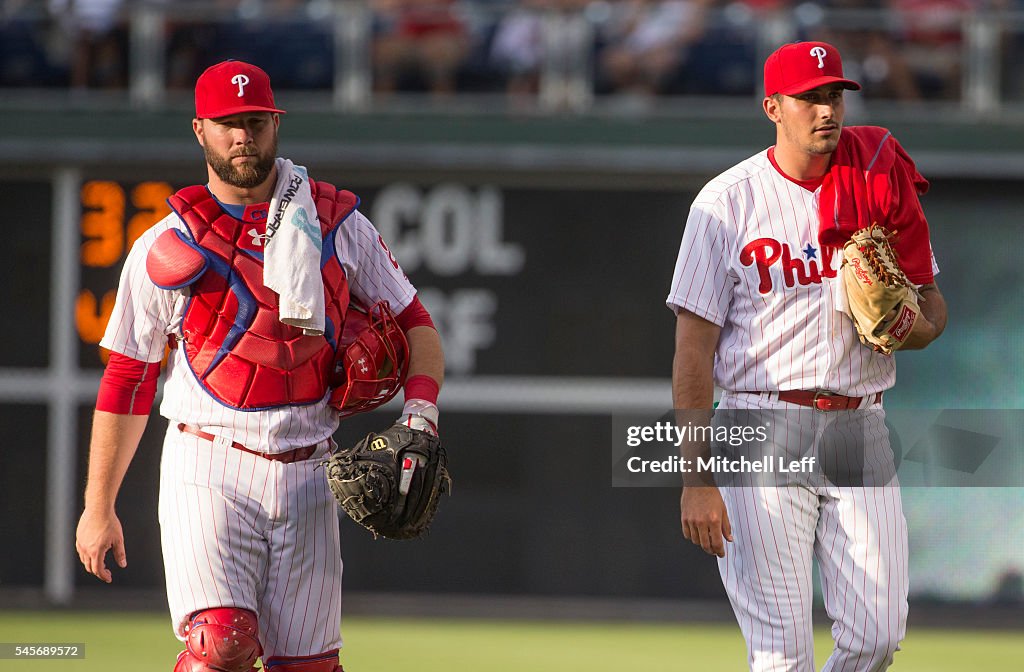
<point>245,176</point>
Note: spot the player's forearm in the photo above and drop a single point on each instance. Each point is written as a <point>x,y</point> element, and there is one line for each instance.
<point>693,385</point>
<point>426,358</point>
<point>932,321</point>
<point>115,438</point>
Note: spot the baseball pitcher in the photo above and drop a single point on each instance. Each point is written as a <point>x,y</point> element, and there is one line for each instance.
<point>801,271</point>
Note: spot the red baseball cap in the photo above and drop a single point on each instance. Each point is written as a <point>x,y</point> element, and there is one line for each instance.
<point>802,66</point>
<point>232,87</point>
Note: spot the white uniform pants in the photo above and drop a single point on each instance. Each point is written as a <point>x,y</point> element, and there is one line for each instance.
<point>238,530</point>
<point>857,533</point>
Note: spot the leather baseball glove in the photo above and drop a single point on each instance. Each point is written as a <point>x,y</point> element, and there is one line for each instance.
<point>881,299</point>
<point>391,483</point>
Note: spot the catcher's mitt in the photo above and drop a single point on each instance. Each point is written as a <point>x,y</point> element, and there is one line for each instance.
<point>882,301</point>
<point>391,483</point>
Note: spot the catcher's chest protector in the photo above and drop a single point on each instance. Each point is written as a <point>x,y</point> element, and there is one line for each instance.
<point>234,342</point>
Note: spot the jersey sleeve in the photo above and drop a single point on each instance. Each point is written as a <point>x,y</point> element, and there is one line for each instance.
<point>142,314</point>
<point>913,242</point>
<point>373,273</point>
<point>701,283</point>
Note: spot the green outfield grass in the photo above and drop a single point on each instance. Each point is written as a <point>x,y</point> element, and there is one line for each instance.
<point>141,642</point>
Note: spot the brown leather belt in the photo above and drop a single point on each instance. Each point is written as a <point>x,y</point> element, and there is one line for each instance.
<point>294,455</point>
<point>824,400</point>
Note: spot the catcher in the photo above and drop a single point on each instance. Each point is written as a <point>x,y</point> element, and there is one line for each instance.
<point>285,311</point>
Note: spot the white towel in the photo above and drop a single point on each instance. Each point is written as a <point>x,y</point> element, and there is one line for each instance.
<point>839,297</point>
<point>291,254</point>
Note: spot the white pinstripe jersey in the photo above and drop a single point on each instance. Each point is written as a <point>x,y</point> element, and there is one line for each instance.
<point>751,263</point>
<point>144,314</point>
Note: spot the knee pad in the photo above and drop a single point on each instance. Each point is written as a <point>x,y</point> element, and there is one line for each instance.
<point>321,662</point>
<point>224,639</point>
<point>189,663</point>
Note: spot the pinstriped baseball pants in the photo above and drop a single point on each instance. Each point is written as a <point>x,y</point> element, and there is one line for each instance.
<point>858,535</point>
<point>242,531</point>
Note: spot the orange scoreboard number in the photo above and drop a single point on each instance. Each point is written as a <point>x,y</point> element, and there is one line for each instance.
<point>114,215</point>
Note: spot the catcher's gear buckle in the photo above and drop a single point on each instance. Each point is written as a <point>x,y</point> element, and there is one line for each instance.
<point>409,465</point>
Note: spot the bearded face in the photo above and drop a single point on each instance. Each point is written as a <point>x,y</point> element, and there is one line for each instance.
<point>245,167</point>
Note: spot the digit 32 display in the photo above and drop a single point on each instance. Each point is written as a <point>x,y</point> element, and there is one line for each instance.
<point>114,215</point>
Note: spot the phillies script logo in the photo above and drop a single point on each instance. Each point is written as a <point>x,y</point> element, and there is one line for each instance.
<point>391,257</point>
<point>767,252</point>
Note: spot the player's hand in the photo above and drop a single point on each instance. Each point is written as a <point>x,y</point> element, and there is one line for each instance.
<point>704,518</point>
<point>419,422</point>
<point>99,532</point>
<point>420,414</point>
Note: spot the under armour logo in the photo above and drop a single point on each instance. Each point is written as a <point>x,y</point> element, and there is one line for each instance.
<point>257,237</point>
<point>362,365</point>
<point>817,52</point>
<point>243,80</point>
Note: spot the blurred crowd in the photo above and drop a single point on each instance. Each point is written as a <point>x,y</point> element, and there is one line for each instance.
<point>899,49</point>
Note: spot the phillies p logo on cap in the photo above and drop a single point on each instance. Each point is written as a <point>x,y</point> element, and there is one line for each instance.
<point>802,66</point>
<point>233,87</point>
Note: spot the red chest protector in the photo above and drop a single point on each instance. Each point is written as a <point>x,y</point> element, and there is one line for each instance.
<point>239,350</point>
